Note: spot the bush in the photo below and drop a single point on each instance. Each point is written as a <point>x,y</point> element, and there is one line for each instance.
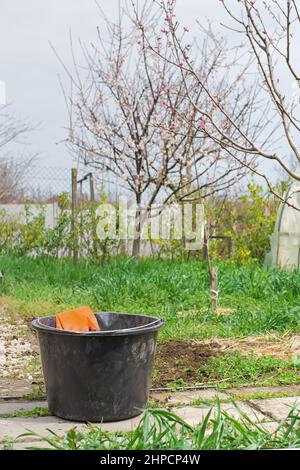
<point>249,220</point>
<point>32,237</point>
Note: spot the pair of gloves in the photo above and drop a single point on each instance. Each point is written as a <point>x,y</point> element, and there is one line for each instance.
<point>79,319</point>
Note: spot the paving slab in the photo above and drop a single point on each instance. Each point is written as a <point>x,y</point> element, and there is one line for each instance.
<point>7,407</point>
<point>27,445</point>
<point>195,415</point>
<point>239,408</point>
<point>190,396</point>
<point>16,388</point>
<point>265,412</point>
<point>270,426</point>
<point>289,390</point>
<point>162,397</point>
<point>278,408</point>
<point>191,415</point>
<point>14,427</point>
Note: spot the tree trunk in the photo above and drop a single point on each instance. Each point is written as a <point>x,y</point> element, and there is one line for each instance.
<point>136,247</point>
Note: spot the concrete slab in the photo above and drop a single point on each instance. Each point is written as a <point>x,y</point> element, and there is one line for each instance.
<point>27,445</point>
<point>16,388</point>
<point>7,407</point>
<point>190,396</point>
<point>14,427</point>
<point>191,415</point>
<point>289,390</point>
<point>162,397</point>
<point>277,408</point>
<point>270,426</point>
<point>194,415</point>
<point>241,408</point>
<point>265,412</point>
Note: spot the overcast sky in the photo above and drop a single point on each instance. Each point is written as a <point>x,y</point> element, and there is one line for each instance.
<point>30,69</point>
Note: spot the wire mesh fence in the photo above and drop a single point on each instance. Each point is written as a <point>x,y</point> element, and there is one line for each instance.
<point>35,185</point>
<point>45,184</point>
<point>40,184</point>
<point>63,199</point>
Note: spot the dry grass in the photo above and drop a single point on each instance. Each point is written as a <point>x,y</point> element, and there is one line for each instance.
<point>283,346</point>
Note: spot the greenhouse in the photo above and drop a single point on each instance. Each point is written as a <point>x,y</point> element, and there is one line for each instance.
<point>285,241</point>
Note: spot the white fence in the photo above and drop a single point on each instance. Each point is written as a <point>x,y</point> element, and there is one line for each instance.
<point>18,212</point>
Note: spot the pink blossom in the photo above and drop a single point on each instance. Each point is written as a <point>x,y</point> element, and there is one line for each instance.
<point>202,124</point>
<point>186,29</point>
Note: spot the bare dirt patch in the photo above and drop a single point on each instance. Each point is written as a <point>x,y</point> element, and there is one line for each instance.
<point>180,360</point>
<point>177,362</point>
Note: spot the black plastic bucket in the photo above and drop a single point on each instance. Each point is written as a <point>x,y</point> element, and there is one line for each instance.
<point>98,376</point>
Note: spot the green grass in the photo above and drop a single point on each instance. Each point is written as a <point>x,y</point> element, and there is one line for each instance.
<point>264,301</point>
<point>38,393</point>
<point>159,429</point>
<point>36,412</point>
<point>234,369</point>
<point>239,370</point>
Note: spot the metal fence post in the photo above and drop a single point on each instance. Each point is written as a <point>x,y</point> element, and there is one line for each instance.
<point>94,217</point>
<point>92,190</point>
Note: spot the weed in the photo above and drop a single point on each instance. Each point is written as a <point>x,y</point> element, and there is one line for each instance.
<point>163,430</point>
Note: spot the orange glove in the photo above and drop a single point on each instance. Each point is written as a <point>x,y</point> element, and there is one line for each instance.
<point>79,319</point>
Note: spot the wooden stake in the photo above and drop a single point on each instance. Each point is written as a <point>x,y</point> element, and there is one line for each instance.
<point>74,210</point>
<point>213,272</point>
<point>214,295</point>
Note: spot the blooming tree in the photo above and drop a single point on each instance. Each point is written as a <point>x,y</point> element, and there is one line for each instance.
<point>269,33</point>
<point>134,114</point>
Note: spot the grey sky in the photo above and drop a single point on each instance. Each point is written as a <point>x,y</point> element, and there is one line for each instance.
<point>30,69</point>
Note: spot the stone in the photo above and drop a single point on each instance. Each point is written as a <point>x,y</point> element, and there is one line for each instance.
<point>8,407</point>
<point>290,390</point>
<point>190,396</point>
<point>14,427</point>
<point>277,408</point>
<point>191,414</point>
<point>237,410</point>
<point>28,444</point>
<point>267,413</point>
<point>14,388</point>
<point>195,415</point>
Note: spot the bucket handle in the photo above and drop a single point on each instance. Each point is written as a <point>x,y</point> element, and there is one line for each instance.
<point>151,324</point>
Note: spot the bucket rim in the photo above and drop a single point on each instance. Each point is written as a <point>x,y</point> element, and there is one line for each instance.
<point>155,325</point>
